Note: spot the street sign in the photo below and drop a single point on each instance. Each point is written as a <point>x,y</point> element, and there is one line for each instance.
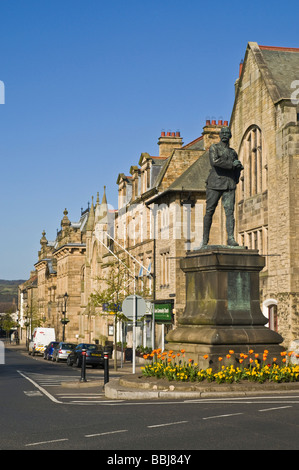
<point>128,306</point>
<point>163,312</point>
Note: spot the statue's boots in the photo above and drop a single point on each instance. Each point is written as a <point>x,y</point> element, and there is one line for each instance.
<point>230,227</point>
<point>207,222</point>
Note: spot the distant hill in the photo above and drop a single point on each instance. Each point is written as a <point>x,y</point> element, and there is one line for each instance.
<point>9,294</point>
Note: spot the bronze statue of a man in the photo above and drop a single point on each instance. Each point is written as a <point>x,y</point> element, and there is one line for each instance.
<point>221,183</point>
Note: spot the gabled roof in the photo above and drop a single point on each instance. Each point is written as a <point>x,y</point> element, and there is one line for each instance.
<point>196,144</point>
<point>279,67</point>
<point>192,180</point>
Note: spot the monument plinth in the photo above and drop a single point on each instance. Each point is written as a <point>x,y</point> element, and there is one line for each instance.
<point>223,307</point>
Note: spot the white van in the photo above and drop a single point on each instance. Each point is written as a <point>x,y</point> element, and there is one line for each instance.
<point>40,339</point>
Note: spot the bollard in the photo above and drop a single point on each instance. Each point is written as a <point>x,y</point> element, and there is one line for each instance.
<point>83,366</point>
<point>106,367</point>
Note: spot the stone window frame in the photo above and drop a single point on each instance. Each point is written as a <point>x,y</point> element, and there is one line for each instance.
<point>253,156</point>
<point>256,239</point>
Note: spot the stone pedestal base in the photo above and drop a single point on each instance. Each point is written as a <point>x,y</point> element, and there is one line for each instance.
<point>223,308</point>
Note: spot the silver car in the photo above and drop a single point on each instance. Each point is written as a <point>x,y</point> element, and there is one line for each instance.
<point>62,350</point>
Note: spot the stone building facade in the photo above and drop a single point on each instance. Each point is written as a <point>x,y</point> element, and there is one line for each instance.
<point>58,269</point>
<point>265,129</point>
<point>159,217</point>
<point>160,213</point>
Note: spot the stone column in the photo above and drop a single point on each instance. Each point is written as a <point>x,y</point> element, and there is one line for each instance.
<point>223,307</point>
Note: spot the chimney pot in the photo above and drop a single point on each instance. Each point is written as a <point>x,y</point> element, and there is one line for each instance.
<point>178,134</point>
<point>213,123</point>
<point>208,122</point>
<point>225,123</point>
<point>220,122</point>
<point>240,68</point>
<point>162,134</point>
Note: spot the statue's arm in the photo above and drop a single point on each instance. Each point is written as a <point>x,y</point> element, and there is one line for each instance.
<point>219,160</point>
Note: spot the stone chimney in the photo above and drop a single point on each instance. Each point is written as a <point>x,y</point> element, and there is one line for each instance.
<point>211,132</point>
<point>168,142</point>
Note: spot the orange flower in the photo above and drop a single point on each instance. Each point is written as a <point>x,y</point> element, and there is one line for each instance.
<point>284,360</point>
<point>240,361</point>
<point>231,351</point>
<point>283,353</point>
<point>205,356</point>
<point>228,356</point>
<point>190,360</point>
<point>251,361</point>
<point>220,359</point>
<point>256,355</point>
<point>182,351</point>
<point>266,351</point>
<point>251,351</point>
<point>274,359</point>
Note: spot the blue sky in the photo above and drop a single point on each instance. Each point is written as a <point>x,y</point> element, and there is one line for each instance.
<point>90,84</point>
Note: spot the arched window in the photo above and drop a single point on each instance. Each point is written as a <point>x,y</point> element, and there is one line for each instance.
<point>273,324</point>
<point>254,177</point>
<point>270,312</point>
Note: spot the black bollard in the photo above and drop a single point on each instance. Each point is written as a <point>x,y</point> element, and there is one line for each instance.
<point>83,366</point>
<point>106,367</point>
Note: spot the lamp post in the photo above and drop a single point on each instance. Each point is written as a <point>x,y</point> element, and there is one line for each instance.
<point>64,321</point>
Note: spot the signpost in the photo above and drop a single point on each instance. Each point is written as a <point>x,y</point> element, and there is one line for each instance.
<point>134,307</point>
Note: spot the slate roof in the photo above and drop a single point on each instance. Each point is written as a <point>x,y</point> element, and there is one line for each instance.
<point>283,64</point>
<point>279,67</point>
<point>194,178</point>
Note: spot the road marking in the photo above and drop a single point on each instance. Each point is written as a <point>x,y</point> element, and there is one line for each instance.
<point>106,433</point>
<point>103,402</point>
<point>40,388</point>
<point>278,408</point>
<point>33,393</point>
<point>45,442</point>
<point>223,416</point>
<point>167,424</point>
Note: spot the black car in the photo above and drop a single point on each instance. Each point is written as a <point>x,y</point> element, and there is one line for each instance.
<point>49,350</point>
<point>94,355</point>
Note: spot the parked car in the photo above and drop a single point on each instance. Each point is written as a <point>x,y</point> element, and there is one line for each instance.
<point>94,355</point>
<point>49,350</point>
<point>62,350</point>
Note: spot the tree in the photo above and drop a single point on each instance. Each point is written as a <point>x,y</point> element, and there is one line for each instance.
<point>116,286</point>
<point>7,323</point>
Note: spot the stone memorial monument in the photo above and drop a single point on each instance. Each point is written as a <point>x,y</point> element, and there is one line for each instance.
<point>222,310</point>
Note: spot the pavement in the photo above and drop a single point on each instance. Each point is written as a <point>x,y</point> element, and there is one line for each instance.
<point>124,385</point>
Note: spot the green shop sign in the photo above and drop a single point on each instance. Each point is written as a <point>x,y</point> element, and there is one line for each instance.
<point>163,312</point>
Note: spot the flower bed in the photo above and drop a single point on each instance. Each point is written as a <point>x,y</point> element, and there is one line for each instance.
<point>251,367</point>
